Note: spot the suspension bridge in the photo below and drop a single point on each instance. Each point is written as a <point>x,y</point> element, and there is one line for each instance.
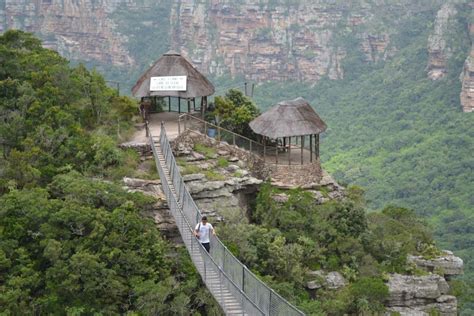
<point>237,290</point>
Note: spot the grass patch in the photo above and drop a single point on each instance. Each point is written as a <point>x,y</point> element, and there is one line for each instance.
<point>324,191</point>
<point>148,171</point>
<point>209,152</point>
<point>190,169</point>
<point>181,161</point>
<point>238,174</point>
<point>222,162</point>
<point>213,176</point>
<point>129,161</point>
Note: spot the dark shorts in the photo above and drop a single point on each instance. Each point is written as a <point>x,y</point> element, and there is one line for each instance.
<point>206,245</point>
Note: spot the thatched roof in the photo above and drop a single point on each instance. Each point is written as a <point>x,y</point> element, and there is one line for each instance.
<point>288,118</point>
<point>173,64</point>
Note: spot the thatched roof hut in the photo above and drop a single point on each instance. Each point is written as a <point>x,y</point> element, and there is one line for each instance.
<point>173,64</point>
<point>289,118</point>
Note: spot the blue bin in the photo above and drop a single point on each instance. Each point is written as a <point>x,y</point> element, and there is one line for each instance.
<point>211,132</point>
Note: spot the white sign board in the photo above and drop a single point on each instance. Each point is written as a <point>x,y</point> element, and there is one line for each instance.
<point>168,83</point>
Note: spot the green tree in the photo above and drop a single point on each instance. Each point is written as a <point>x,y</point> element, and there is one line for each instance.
<point>234,111</point>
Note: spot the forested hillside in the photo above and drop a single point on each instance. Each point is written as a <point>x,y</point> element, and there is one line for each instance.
<point>72,240</point>
<point>400,136</point>
<point>392,131</point>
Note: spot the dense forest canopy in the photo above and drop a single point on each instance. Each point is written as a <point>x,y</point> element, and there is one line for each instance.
<point>336,236</point>
<point>400,135</point>
<point>72,240</point>
<point>65,243</point>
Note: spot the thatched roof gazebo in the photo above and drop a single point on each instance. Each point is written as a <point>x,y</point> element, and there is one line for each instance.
<point>173,76</point>
<point>289,121</point>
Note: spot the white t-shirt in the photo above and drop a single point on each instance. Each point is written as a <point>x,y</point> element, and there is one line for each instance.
<point>204,231</point>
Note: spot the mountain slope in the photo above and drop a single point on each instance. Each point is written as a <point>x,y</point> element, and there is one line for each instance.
<point>400,136</point>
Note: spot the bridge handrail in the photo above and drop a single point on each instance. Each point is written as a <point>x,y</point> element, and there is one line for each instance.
<point>255,294</point>
<point>191,242</point>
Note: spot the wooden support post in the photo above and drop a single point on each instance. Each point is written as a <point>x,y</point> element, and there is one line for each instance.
<point>311,148</point>
<point>276,152</point>
<point>317,146</point>
<point>179,105</point>
<point>202,108</point>
<point>169,104</point>
<point>189,105</point>
<point>289,150</point>
<point>243,278</point>
<point>302,149</point>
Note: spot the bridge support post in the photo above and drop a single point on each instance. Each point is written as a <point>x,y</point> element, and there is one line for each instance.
<point>243,278</point>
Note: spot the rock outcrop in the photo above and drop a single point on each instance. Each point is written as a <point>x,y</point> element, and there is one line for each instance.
<point>446,264</point>
<point>420,295</point>
<point>160,212</point>
<point>320,279</point>
<point>439,51</point>
<point>467,76</point>
<point>218,198</point>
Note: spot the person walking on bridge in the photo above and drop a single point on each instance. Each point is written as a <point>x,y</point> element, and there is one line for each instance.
<point>202,232</point>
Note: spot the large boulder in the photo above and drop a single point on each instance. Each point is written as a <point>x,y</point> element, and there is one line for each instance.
<point>330,280</point>
<point>420,295</point>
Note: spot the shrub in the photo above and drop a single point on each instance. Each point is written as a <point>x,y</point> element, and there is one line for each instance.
<point>222,162</point>
<point>369,294</point>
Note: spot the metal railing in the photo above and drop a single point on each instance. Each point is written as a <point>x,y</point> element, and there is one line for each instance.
<point>270,152</point>
<point>221,271</point>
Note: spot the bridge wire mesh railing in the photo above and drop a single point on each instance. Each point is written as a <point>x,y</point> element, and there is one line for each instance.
<point>254,296</point>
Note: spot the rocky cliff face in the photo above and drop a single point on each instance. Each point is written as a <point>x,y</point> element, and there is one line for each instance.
<point>263,41</point>
<point>439,51</point>
<point>79,30</point>
<point>259,40</point>
<point>467,77</point>
<point>441,46</point>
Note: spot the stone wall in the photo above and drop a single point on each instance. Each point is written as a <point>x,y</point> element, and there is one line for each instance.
<point>295,175</point>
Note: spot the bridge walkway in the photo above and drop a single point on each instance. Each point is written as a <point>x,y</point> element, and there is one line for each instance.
<point>237,290</point>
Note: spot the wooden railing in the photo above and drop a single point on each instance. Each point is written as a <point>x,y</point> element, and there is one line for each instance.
<point>281,154</point>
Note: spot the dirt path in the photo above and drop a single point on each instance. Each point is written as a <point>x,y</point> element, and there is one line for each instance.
<point>171,124</point>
